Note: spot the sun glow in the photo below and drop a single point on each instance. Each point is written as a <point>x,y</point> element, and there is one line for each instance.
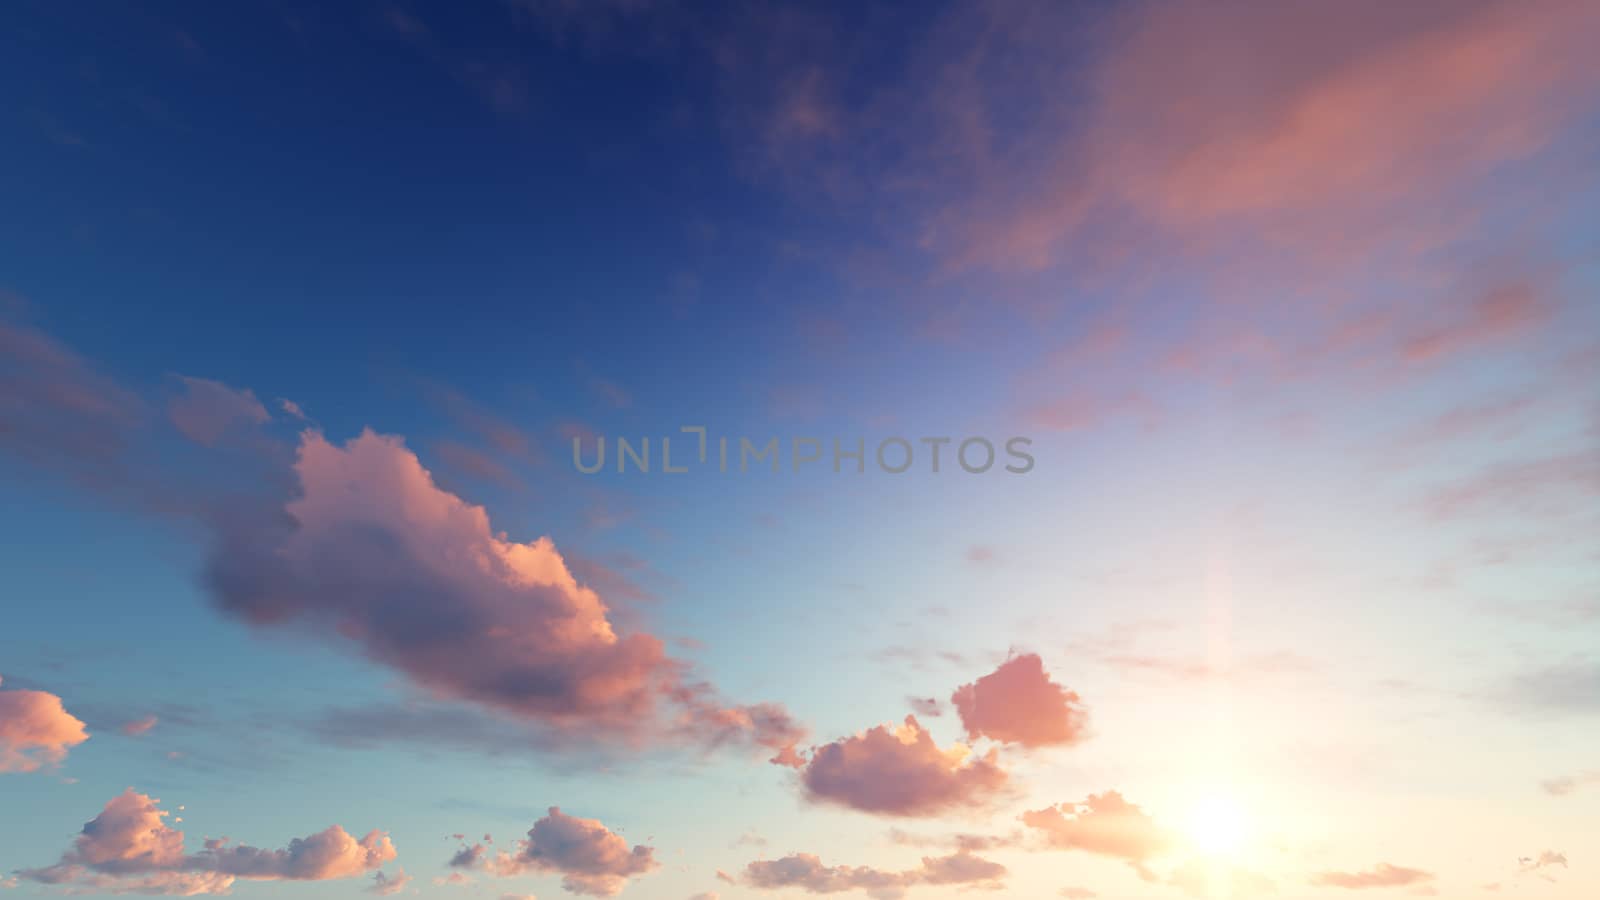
<point>1218,825</point>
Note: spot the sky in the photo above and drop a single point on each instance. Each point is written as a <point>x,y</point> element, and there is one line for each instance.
<point>1162,449</point>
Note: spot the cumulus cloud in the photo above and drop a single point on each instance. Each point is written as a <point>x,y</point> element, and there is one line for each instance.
<point>590,858</point>
<point>373,550</point>
<point>35,731</point>
<point>207,410</point>
<point>1106,824</point>
<point>357,544</point>
<point>806,872</point>
<point>1019,704</point>
<point>901,772</point>
<point>1382,875</point>
<point>129,848</point>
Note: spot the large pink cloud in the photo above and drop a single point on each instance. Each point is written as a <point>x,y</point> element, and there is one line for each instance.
<point>36,731</point>
<point>129,848</point>
<point>901,772</point>
<point>591,858</point>
<point>372,550</point>
<point>805,871</point>
<point>357,545</point>
<point>1019,704</point>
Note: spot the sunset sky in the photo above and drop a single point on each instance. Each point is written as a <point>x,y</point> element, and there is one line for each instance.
<point>1292,307</point>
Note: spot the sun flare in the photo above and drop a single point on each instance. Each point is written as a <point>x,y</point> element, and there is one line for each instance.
<point>1218,825</point>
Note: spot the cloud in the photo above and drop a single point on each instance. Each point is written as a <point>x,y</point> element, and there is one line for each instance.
<point>1077,893</point>
<point>1562,785</point>
<point>138,727</point>
<point>356,544</point>
<point>1571,687</point>
<point>1536,865</point>
<point>474,463</point>
<point>129,848</point>
<point>1105,824</point>
<point>927,707</point>
<point>59,412</point>
<point>468,857</point>
<point>1019,704</point>
<point>36,731</point>
<point>901,772</point>
<point>502,436</point>
<point>974,843</point>
<point>1305,141</point>
<point>1503,312</point>
<point>372,550</point>
<point>981,553</point>
<point>806,872</point>
<point>1543,486</point>
<point>207,410</point>
<point>385,885</point>
<point>1381,876</point>
<point>590,858</point>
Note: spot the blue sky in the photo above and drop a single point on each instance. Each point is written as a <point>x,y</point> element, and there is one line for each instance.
<point>1293,305</point>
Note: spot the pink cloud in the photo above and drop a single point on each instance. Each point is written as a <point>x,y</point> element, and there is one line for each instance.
<point>591,858</point>
<point>1105,824</point>
<point>805,871</point>
<point>501,436</point>
<point>1548,486</point>
<point>1383,875</point>
<point>138,727</point>
<point>129,848</point>
<point>207,410</point>
<point>901,772</point>
<point>1547,859</point>
<point>981,553</point>
<point>1502,313</point>
<point>59,412</point>
<point>1311,140</point>
<point>475,463</point>
<point>1019,704</point>
<point>36,731</point>
<point>373,549</point>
